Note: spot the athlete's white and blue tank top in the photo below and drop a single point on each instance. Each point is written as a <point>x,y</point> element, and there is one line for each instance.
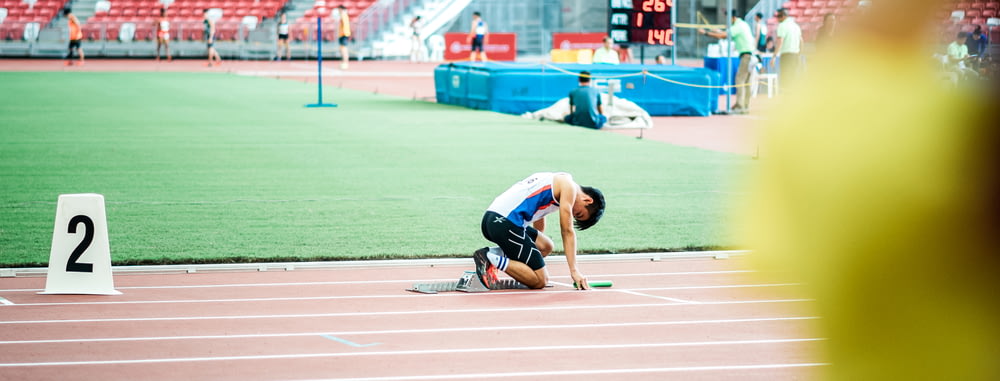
<point>527,201</point>
<point>480,28</point>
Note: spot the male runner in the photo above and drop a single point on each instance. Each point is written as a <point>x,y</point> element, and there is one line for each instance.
<point>213,55</point>
<point>515,221</point>
<point>477,37</point>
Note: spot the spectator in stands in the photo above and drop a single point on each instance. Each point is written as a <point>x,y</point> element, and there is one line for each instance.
<point>624,53</point>
<point>743,42</point>
<point>977,42</point>
<point>283,38</point>
<point>661,60</point>
<point>585,107</point>
<point>75,37</point>
<point>760,32</point>
<point>787,46</point>
<point>477,37</point>
<point>416,43</point>
<point>958,54</point>
<point>606,54</point>
<point>826,31</point>
<point>162,27</point>
<point>344,35</point>
<point>213,55</point>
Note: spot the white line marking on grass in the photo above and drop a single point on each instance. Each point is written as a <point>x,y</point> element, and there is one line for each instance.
<point>579,372</point>
<point>382,281</point>
<point>392,313</point>
<point>630,292</point>
<point>419,352</point>
<point>417,331</point>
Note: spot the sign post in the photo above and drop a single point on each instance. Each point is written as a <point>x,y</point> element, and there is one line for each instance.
<point>80,259</point>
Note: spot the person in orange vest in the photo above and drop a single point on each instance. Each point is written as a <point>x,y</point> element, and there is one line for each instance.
<point>75,37</point>
<point>344,35</point>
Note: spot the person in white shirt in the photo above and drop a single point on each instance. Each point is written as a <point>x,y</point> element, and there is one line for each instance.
<point>606,54</point>
<point>283,38</point>
<point>787,46</point>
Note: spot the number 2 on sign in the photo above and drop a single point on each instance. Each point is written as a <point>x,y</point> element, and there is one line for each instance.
<point>656,5</point>
<point>72,265</point>
<point>660,36</point>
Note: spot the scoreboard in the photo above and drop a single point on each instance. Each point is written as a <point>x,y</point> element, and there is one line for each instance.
<point>641,21</point>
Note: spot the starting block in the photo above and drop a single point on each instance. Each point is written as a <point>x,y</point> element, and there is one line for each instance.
<point>469,282</point>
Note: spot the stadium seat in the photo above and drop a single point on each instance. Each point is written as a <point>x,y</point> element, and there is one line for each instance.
<point>3,15</point>
<point>990,13</point>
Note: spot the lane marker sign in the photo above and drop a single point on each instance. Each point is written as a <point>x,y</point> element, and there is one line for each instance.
<point>80,259</point>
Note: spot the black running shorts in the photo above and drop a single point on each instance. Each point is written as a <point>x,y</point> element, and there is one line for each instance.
<point>517,242</point>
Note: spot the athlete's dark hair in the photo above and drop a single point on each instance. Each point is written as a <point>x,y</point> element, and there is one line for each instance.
<point>66,11</point>
<point>584,76</point>
<point>595,209</point>
<point>476,14</point>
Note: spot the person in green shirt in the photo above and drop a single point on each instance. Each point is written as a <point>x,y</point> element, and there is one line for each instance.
<point>787,46</point>
<point>958,53</point>
<point>743,42</point>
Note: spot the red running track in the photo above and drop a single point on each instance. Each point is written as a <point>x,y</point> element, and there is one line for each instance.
<point>686,319</point>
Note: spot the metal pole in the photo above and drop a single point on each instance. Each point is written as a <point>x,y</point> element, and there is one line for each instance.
<point>319,65</point>
<point>673,36</point>
<point>729,57</point>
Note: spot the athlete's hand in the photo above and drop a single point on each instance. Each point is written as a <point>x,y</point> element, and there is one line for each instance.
<point>579,280</point>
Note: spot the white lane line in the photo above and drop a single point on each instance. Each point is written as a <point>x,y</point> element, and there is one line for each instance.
<point>579,372</point>
<point>418,352</point>
<point>6,302</point>
<point>382,281</point>
<point>400,295</point>
<point>421,331</point>
<point>391,313</point>
<point>667,298</point>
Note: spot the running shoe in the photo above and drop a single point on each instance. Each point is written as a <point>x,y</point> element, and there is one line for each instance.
<point>484,269</point>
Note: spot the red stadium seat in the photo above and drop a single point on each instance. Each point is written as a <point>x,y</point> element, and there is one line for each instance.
<point>990,13</point>
<point>972,13</point>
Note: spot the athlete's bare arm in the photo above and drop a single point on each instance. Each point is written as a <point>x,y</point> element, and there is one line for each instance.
<point>565,190</point>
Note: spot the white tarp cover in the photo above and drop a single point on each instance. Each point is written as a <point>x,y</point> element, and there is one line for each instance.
<point>624,113</point>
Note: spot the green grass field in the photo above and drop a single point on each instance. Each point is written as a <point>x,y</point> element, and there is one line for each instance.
<point>222,168</point>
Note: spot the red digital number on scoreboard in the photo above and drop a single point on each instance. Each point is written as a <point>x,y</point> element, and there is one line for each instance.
<point>646,22</point>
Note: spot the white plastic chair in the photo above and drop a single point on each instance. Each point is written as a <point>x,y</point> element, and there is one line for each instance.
<point>31,31</point>
<point>436,45</point>
<point>102,6</point>
<point>127,32</point>
<point>3,14</point>
<point>215,14</point>
<point>249,22</point>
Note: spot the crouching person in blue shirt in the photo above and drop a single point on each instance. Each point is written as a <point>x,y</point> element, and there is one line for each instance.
<point>585,107</point>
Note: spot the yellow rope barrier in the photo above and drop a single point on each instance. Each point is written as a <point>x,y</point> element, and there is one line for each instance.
<point>643,72</point>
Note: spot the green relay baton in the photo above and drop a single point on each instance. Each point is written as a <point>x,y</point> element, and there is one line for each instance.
<point>597,283</point>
